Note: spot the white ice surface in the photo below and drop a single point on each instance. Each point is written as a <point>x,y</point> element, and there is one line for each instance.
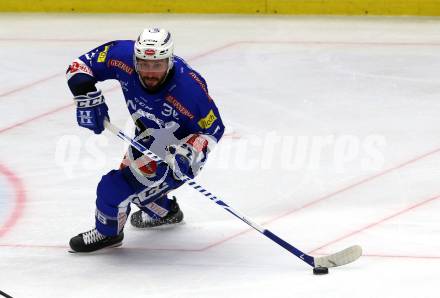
<point>349,80</point>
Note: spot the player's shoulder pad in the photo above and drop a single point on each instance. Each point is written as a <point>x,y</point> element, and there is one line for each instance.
<point>188,79</point>
<point>120,56</point>
<point>116,49</point>
<point>192,91</point>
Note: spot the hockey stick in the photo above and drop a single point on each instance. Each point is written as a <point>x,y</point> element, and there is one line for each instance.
<point>5,295</point>
<point>343,257</point>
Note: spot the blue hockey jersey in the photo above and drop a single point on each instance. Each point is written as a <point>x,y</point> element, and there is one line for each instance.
<point>182,105</point>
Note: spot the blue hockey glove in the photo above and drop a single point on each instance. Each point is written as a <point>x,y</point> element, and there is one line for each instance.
<point>91,111</point>
<point>189,157</point>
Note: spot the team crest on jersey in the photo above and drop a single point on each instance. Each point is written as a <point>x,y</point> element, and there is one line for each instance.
<point>207,121</point>
<point>121,65</point>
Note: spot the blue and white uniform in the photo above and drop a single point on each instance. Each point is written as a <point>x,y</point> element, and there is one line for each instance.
<point>181,111</point>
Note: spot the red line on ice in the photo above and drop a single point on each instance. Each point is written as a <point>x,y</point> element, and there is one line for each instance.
<point>375,255</point>
<point>400,256</point>
<point>20,199</point>
<point>56,40</point>
<point>378,222</point>
<point>228,45</point>
<point>344,43</point>
<point>306,42</point>
<point>313,202</point>
<point>29,85</point>
<point>42,80</point>
<point>24,122</point>
<point>134,248</point>
<point>328,196</point>
<point>53,111</point>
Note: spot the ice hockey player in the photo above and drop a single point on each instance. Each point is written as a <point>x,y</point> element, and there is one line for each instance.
<point>174,115</point>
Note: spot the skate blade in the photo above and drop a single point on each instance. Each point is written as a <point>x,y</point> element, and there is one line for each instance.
<point>162,227</point>
<point>95,251</point>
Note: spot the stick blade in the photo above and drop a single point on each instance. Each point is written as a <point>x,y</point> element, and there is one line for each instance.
<point>343,257</point>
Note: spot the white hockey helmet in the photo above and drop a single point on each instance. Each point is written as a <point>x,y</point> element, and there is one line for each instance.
<point>155,44</point>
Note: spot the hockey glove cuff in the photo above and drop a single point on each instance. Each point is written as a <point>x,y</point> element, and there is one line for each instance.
<point>91,111</point>
<point>189,157</point>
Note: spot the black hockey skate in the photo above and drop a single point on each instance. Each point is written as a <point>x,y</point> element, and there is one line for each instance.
<point>142,220</point>
<point>93,240</point>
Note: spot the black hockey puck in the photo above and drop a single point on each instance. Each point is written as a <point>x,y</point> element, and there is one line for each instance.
<point>320,270</point>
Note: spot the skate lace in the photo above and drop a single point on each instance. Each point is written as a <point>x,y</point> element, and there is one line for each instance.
<point>92,236</point>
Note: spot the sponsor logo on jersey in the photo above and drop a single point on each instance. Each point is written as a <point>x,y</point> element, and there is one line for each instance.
<point>153,118</point>
<point>79,66</point>
<point>196,78</point>
<point>103,55</point>
<point>207,121</point>
<point>178,106</point>
<point>121,65</point>
<point>141,101</point>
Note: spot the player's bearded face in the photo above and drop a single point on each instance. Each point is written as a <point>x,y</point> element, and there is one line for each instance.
<point>152,72</point>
